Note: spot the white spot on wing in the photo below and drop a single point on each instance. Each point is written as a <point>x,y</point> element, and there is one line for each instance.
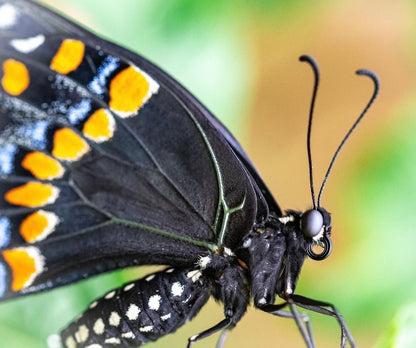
<point>29,44</point>
<point>8,16</point>
<point>92,305</point>
<point>94,345</point>
<point>133,312</point>
<point>99,327</point>
<point>149,278</point>
<point>114,319</point>
<point>154,302</point>
<point>177,289</point>
<point>169,270</point>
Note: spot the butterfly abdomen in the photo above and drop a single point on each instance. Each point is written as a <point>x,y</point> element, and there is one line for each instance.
<point>139,312</point>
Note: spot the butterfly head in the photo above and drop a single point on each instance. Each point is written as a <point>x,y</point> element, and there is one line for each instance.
<point>315,224</point>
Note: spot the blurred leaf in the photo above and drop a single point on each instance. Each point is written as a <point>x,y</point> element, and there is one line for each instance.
<point>402,333</point>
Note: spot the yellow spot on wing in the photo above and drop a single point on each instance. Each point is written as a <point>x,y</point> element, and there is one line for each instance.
<point>15,77</point>
<point>67,145</point>
<point>32,194</point>
<point>38,226</point>
<point>129,90</point>
<point>100,126</point>
<point>25,263</point>
<point>69,56</point>
<point>42,166</point>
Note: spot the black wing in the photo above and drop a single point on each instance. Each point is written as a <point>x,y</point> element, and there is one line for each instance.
<point>105,161</point>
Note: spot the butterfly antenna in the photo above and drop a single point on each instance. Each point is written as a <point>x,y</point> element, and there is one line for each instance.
<point>314,65</point>
<point>376,82</point>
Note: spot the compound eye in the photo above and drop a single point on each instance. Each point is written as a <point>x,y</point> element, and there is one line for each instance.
<point>312,223</point>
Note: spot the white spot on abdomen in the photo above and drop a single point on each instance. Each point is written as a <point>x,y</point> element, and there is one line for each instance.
<point>82,334</point>
<point>146,328</point>
<point>177,289</point>
<point>110,295</point>
<point>133,312</point>
<point>154,302</point>
<point>70,342</point>
<point>128,334</point>
<point>165,317</point>
<point>128,287</point>
<point>112,340</point>
<point>114,319</point>
<point>99,327</point>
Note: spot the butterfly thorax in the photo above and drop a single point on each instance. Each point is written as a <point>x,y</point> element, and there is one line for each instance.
<point>276,250</point>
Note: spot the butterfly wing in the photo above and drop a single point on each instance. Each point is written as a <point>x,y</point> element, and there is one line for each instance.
<point>104,161</point>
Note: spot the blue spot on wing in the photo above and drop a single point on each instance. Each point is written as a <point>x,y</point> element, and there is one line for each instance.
<point>7,153</point>
<point>3,275</point>
<point>108,66</point>
<point>79,112</point>
<point>35,133</point>
<point>4,232</point>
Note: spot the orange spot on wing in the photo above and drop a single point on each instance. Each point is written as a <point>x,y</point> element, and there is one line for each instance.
<point>69,56</point>
<point>15,77</point>
<point>32,194</point>
<point>38,226</point>
<point>68,145</point>
<point>25,264</point>
<point>100,126</point>
<point>42,166</point>
<point>129,90</point>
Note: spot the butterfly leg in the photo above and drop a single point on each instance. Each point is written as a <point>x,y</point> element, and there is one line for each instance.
<point>231,289</point>
<point>223,337</point>
<point>222,325</point>
<point>301,319</point>
<point>319,307</point>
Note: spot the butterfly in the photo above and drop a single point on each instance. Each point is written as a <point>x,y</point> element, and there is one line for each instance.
<point>107,162</point>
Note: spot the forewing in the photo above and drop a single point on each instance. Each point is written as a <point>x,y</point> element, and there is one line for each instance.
<point>103,163</point>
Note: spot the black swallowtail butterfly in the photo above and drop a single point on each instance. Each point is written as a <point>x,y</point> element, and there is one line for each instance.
<point>107,162</point>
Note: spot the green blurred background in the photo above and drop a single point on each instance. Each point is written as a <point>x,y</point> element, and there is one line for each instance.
<point>241,59</point>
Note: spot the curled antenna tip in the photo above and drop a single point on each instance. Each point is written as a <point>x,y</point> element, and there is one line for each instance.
<point>372,75</point>
<point>308,59</point>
